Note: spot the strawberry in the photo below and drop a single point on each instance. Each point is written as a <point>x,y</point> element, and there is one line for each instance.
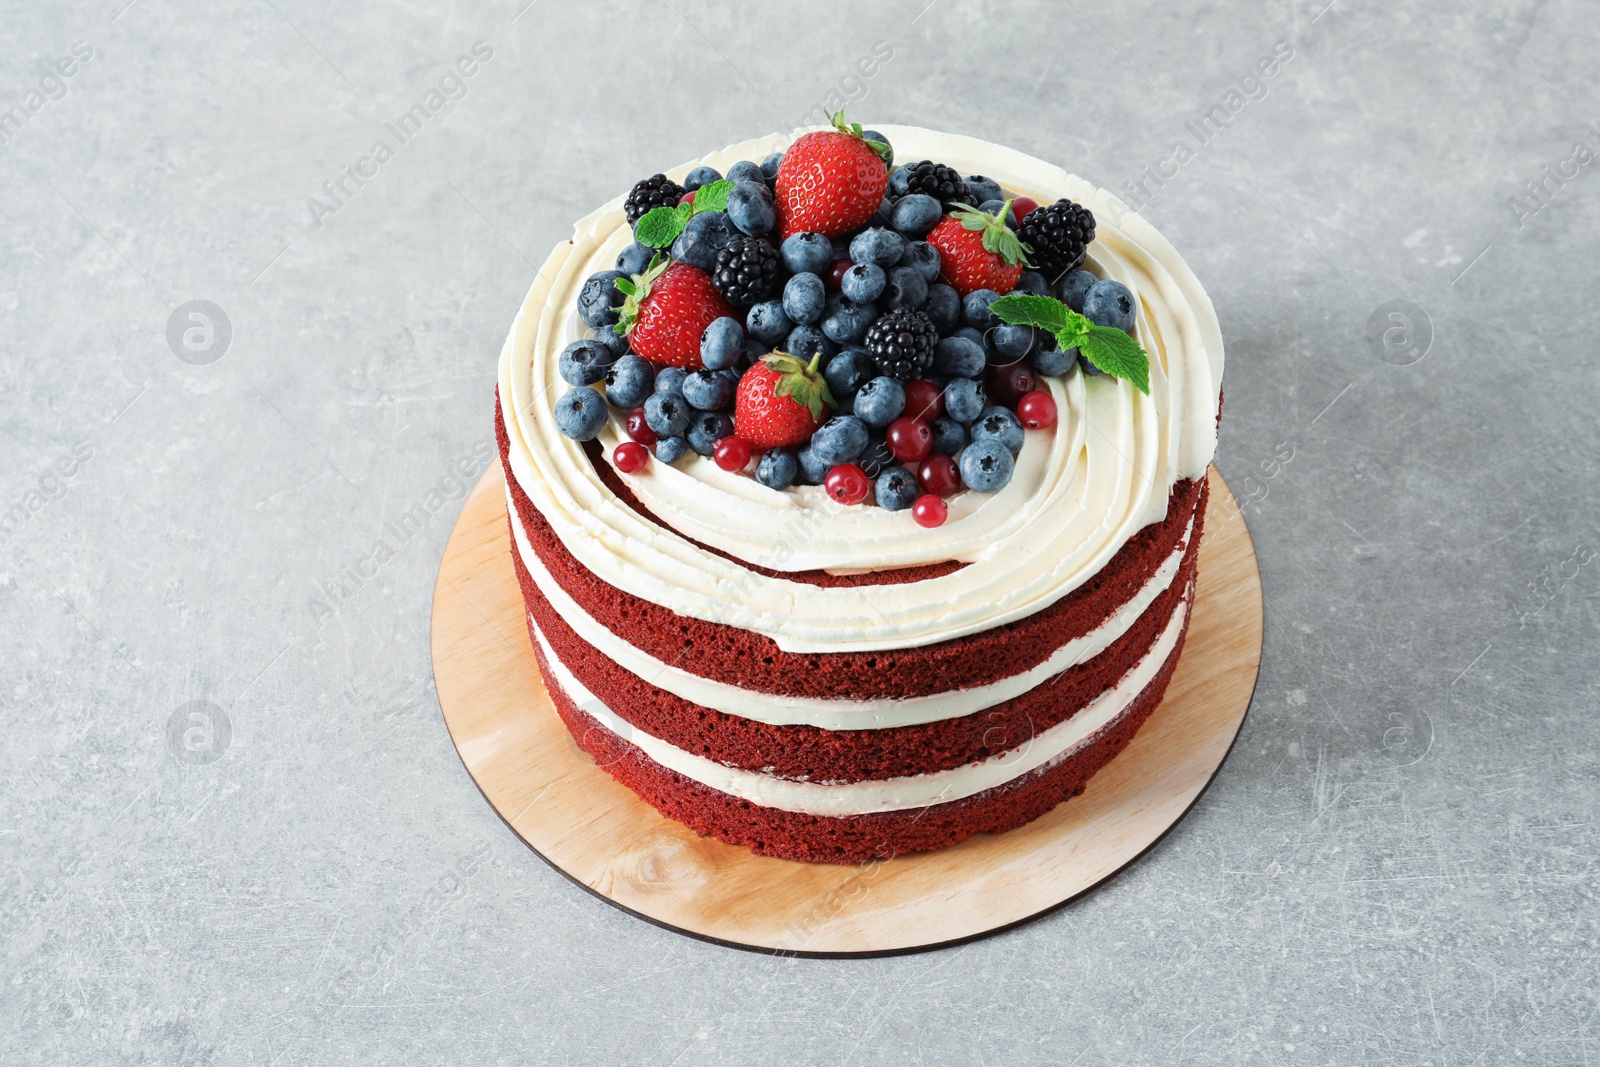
<point>668,307</point>
<point>780,401</point>
<point>978,250</point>
<point>831,181</point>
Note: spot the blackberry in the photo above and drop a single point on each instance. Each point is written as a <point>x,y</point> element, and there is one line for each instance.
<point>748,271</point>
<point>1059,235</point>
<point>943,183</point>
<point>658,190</point>
<point>902,343</point>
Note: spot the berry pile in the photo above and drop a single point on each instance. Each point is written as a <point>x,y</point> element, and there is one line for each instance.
<point>822,318</point>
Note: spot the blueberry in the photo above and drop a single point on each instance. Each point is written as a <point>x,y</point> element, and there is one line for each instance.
<point>906,289</point>
<point>916,214</point>
<point>874,135</point>
<point>847,323</point>
<point>670,380</point>
<point>1032,282</point>
<point>599,298</point>
<point>943,307</point>
<point>752,209</point>
<point>807,253</point>
<point>880,402</point>
<point>804,342</point>
<point>804,297</point>
<point>992,206</point>
<point>877,245</point>
<point>896,489</point>
<point>614,342</point>
<point>1048,359</point>
<point>863,282</point>
<point>706,429</point>
<point>722,343</point>
<point>777,469</point>
<point>839,440</point>
<point>671,449</point>
<point>580,413</point>
<point>975,309</point>
<point>884,216</point>
<point>1000,425</point>
<point>707,390</point>
<point>754,350</point>
<point>960,357</point>
<point>1109,303</point>
<point>701,240</point>
<point>813,470</point>
<point>584,362</point>
<point>875,457</point>
<point>899,182</point>
<point>981,189</point>
<point>770,165</point>
<point>1071,289</point>
<point>1008,344</point>
<point>846,372</point>
<point>1088,368</point>
<point>745,171</point>
<point>986,466</point>
<point>924,257</point>
<point>666,413</point>
<point>767,323</point>
<point>635,258</point>
<point>629,381</point>
<point>700,176</point>
<point>949,436</point>
<point>965,399</point>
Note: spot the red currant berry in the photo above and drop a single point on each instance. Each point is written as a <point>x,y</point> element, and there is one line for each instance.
<point>847,483</point>
<point>732,453</point>
<point>1022,207</point>
<point>929,511</point>
<point>686,198</point>
<point>1037,410</point>
<point>939,475</point>
<point>1005,385</point>
<point>910,439</point>
<point>835,276</point>
<point>640,430</point>
<point>630,456</point>
<point>924,400</point>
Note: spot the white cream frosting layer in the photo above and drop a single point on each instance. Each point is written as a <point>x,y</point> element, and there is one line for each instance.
<point>838,714</point>
<point>1080,491</point>
<point>892,794</point>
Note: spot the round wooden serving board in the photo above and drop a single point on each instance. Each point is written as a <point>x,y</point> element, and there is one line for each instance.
<point>604,838</point>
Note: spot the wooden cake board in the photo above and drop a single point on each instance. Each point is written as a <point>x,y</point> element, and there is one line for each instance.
<point>603,837</point>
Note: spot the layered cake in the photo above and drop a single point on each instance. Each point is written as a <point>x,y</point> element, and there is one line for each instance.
<point>855,482</point>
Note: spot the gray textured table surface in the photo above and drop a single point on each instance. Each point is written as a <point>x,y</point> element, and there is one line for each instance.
<point>1397,865</point>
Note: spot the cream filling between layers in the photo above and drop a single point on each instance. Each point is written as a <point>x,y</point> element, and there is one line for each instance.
<point>891,794</point>
<point>828,713</point>
<point>1081,489</point>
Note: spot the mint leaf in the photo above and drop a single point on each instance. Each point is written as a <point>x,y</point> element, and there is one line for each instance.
<point>712,197</point>
<point>1045,312</point>
<point>660,226</point>
<point>1117,354</point>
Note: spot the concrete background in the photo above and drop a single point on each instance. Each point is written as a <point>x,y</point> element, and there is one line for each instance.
<point>1397,865</point>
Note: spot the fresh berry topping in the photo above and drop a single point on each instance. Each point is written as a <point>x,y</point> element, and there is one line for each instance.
<point>942,183</point>
<point>902,343</point>
<point>929,511</point>
<point>777,469</point>
<point>880,401</point>
<point>840,440</point>
<point>629,380</point>
<point>668,307</point>
<point>831,181</point>
<point>835,275</point>
<point>987,466</point>
<point>965,399</point>
<point>701,176</point>
<point>748,271</point>
<point>939,475</point>
<point>1006,385</point>
<point>1109,303</point>
<point>732,453</point>
<point>580,413</point>
<point>923,400</point>
<point>722,344</point>
<point>847,484</point>
<point>910,439</point>
<point>916,214</point>
<point>671,449</point>
<point>895,489</point>
<point>1022,207</point>
<point>707,390</point>
<point>807,253</point>
<point>686,198</point>
<point>658,190</point>
<point>638,429</point>
<point>1073,287</point>
<point>949,436</point>
<point>584,362</point>
<point>780,401</point>
<point>751,208</point>
<point>667,414</point>
<point>1037,410</point>
<point>805,297</point>
<point>999,425</point>
<point>978,251</point>
<point>630,457</point>
<point>599,298</point>
<point>1057,236</point>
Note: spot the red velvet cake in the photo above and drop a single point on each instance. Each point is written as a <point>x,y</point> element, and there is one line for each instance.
<point>856,502</point>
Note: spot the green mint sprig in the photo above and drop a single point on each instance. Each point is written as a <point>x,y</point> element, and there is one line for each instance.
<point>1105,346</point>
<point>660,226</point>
